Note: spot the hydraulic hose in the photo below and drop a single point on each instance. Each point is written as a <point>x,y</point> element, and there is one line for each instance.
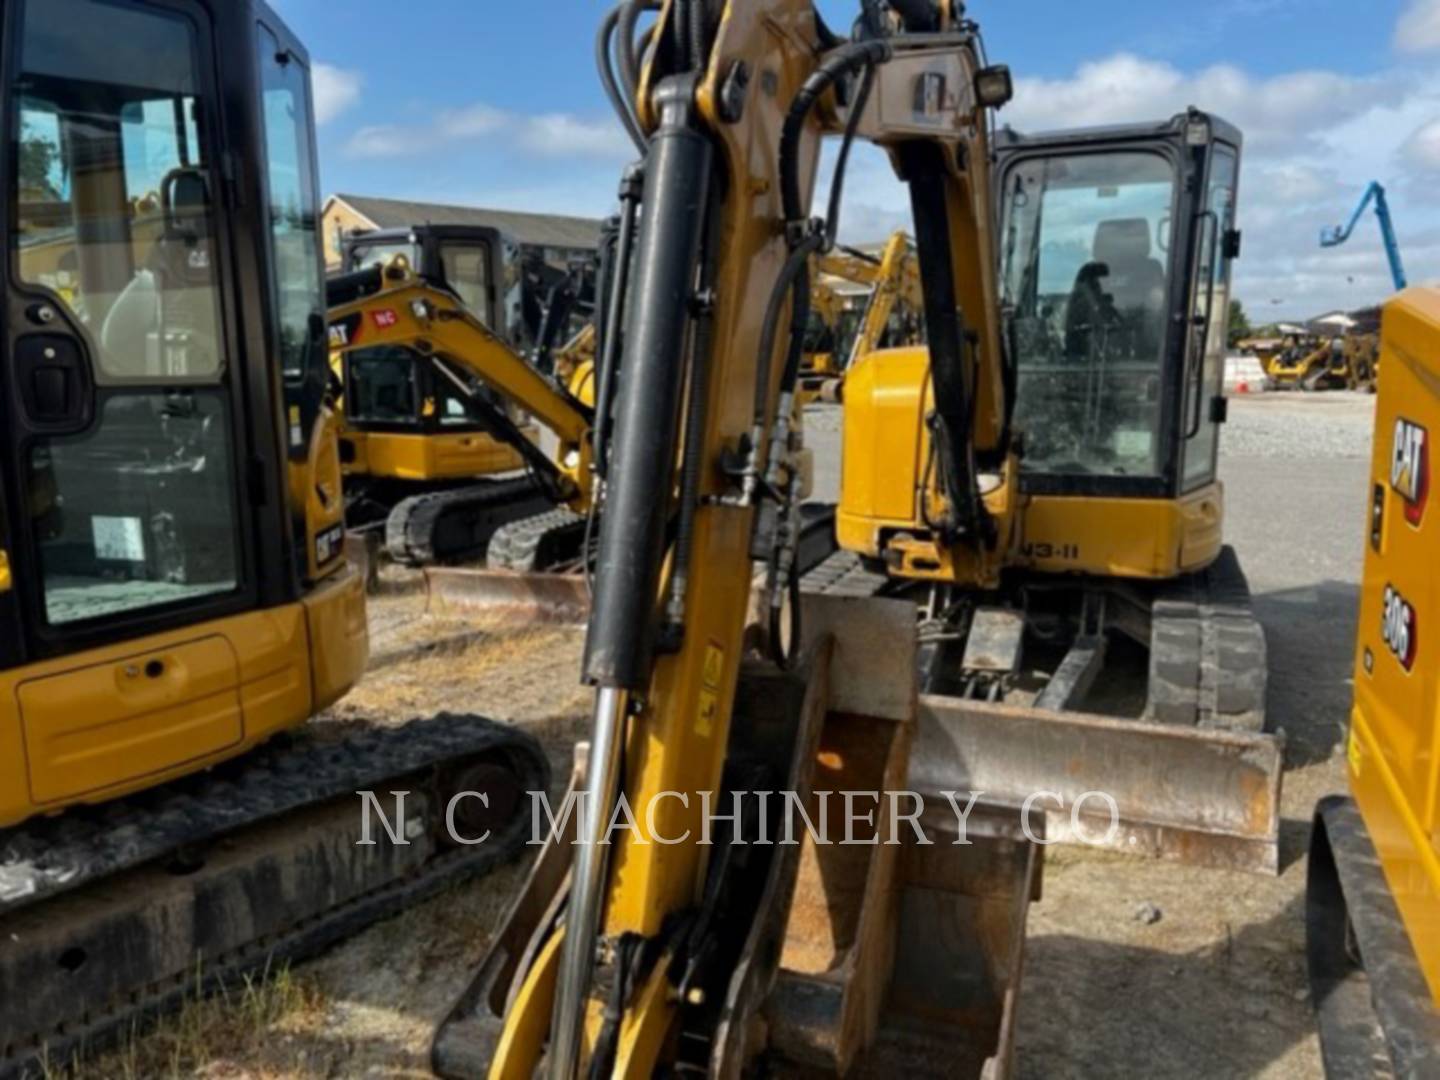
<point>797,265</point>
<point>629,19</point>
<point>624,106</point>
<point>844,61</point>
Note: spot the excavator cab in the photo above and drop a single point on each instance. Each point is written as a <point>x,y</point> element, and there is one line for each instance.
<point>168,489</point>
<point>1116,249</point>
<point>173,586</point>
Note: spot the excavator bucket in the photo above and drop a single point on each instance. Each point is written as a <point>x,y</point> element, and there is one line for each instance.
<point>900,949</point>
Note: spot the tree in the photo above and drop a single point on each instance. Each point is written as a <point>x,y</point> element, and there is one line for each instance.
<point>40,163</point>
<point>1239,323</point>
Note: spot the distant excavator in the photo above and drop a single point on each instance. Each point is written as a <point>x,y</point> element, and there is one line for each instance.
<point>392,329</point>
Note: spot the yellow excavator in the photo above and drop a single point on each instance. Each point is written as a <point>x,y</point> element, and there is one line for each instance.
<point>694,942</point>
<point>1373,890</point>
<point>388,314</point>
<point>894,310</point>
<point>1114,606</point>
<point>664,930</point>
<point>173,588</point>
<point>436,454</point>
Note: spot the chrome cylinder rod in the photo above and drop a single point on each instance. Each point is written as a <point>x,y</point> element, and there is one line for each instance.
<point>587,881</point>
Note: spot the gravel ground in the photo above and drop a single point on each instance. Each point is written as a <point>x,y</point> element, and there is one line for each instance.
<point>1132,969</point>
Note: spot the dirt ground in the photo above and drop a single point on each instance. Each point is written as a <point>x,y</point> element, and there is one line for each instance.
<point>1214,987</point>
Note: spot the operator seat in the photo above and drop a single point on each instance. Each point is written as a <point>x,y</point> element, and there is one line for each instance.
<point>165,320</point>
<point>1122,287</point>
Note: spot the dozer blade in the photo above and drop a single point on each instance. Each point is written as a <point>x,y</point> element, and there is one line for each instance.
<point>564,598</point>
<point>508,596</point>
<point>111,916</point>
<point>1193,795</point>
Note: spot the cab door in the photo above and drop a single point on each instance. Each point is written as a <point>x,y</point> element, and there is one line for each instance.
<point>1218,242</point>
<point>122,427</point>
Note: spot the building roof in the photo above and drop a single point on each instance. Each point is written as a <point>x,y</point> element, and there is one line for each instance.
<point>539,230</point>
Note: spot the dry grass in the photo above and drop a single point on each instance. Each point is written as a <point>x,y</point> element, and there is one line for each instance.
<point>209,1035</point>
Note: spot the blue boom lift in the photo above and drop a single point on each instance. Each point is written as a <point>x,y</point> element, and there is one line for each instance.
<point>1335,235</point>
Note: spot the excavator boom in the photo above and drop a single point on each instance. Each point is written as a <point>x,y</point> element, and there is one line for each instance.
<point>701,483</point>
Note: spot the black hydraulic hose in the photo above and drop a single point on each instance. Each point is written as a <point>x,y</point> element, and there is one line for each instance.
<point>608,373</point>
<point>795,266</point>
<point>624,106</point>
<point>629,19</point>
<point>680,34</point>
<point>796,278</point>
<point>846,60</point>
<point>852,124</point>
<point>699,30</point>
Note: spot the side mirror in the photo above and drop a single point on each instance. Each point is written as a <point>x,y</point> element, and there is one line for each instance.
<point>1230,244</point>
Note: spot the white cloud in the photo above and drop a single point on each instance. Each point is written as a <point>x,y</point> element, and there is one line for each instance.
<point>1422,149</point>
<point>335,91</point>
<point>549,135</point>
<point>1419,27</point>
<point>1279,115</point>
<point>559,135</point>
<point>471,122</point>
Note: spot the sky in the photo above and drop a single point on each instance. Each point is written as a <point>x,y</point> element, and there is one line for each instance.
<point>491,103</point>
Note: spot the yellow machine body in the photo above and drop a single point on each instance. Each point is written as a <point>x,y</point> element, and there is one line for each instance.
<point>434,322</point>
<point>1394,743</point>
<point>887,498</point>
<point>428,457</point>
<point>91,727</point>
<point>134,660</point>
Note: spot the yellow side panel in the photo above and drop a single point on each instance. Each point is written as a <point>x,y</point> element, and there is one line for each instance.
<point>100,724</point>
<point>1395,747</point>
<point>339,636</point>
<point>438,457</point>
<point>1121,537</point>
<point>881,444</point>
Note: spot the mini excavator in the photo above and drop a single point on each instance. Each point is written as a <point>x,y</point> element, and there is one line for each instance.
<point>661,949</point>
<point>438,448</point>
<point>389,315</point>
<point>174,594</point>
<point>1111,593</point>
<point>660,954</point>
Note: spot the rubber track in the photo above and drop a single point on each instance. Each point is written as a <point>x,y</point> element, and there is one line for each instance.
<point>520,545</point>
<point>51,856</point>
<point>1208,664</point>
<point>1375,1012</point>
<point>412,527</point>
<point>843,574</point>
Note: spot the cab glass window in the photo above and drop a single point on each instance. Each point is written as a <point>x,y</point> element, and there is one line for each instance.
<point>113,199</point>
<point>298,291</point>
<point>1086,281</point>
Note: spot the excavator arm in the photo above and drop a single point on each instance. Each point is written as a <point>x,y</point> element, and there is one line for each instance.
<point>700,471</point>
<point>897,286</point>
<point>391,306</point>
